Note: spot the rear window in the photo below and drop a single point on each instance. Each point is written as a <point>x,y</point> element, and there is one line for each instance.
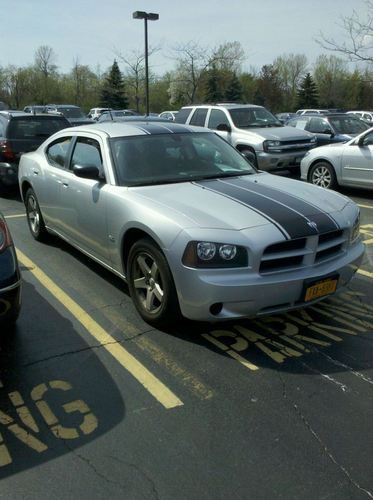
<point>35,126</point>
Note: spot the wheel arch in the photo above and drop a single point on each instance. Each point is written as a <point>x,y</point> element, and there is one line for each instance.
<point>315,162</point>
<point>129,238</point>
<point>26,185</point>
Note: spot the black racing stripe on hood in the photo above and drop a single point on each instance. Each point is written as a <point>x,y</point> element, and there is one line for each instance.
<point>325,223</point>
<point>292,223</point>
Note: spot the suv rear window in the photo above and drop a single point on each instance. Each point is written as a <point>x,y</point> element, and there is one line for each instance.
<point>35,126</point>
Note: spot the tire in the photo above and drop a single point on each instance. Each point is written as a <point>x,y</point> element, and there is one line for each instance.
<point>251,156</point>
<point>151,284</point>
<point>35,219</point>
<point>322,174</point>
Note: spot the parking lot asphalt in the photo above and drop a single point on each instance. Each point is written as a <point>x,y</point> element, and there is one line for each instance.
<point>95,403</point>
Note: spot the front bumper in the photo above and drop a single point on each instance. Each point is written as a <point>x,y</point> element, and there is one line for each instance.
<point>215,295</point>
<point>279,161</point>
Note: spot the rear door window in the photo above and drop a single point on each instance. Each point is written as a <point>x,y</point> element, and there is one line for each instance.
<point>57,152</point>
<point>199,117</point>
<point>217,117</point>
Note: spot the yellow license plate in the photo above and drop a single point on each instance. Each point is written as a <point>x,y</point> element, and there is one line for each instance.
<point>320,289</point>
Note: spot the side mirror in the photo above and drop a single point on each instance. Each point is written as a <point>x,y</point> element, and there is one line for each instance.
<point>87,172</point>
<point>328,131</point>
<point>224,127</point>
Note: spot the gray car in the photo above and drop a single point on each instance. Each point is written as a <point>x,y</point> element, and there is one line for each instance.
<point>345,164</point>
<point>187,221</point>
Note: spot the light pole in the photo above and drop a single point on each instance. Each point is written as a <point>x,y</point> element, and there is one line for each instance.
<point>139,14</point>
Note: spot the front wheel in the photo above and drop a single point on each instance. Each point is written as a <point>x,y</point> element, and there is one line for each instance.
<point>34,217</point>
<point>322,174</point>
<point>151,284</point>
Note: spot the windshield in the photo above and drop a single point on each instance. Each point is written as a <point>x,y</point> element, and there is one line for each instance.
<point>71,112</point>
<point>169,158</point>
<point>254,117</point>
<point>348,124</point>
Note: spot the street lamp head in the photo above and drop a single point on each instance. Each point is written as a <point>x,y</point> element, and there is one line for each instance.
<point>140,14</point>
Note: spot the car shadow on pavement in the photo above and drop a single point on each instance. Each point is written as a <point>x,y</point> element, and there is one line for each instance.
<point>55,394</point>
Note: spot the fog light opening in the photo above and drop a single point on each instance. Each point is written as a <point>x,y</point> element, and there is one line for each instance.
<point>216,308</point>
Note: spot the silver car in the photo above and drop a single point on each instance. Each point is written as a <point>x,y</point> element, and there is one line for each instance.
<point>188,222</point>
<point>346,164</point>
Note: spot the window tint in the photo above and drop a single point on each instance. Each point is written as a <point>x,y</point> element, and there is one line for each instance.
<point>368,139</point>
<point>57,152</point>
<point>318,126</point>
<point>300,123</point>
<point>2,127</point>
<point>170,158</point>
<point>87,153</point>
<point>182,115</point>
<point>35,127</point>
<point>199,117</point>
<point>217,117</point>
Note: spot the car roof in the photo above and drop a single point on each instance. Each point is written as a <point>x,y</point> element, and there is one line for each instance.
<point>16,113</point>
<point>223,105</point>
<point>62,106</point>
<point>138,127</point>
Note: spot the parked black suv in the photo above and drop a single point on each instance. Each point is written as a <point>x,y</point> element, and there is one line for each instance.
<point>73,113</point>
<point>21,132</point>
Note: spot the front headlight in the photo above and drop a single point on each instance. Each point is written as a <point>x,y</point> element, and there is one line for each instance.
<point>214,255</point>
<point>355,230</point>
<point>271,145</point>
<point>313,140</point>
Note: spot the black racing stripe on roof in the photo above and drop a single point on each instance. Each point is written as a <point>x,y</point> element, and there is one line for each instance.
<point>287,219</point>
<point>162,128</point>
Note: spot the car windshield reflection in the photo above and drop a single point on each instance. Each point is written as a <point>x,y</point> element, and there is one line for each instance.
<point>170,158</point>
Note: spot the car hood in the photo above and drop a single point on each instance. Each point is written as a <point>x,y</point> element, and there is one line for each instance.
<point>246,202</point>
<point>280,133</point>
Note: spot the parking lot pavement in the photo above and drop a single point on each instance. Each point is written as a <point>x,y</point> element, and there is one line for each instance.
<point>266,408</point>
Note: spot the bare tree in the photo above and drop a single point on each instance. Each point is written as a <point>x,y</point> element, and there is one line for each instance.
<point>45,60</point>
<point>193,61</point>
<point>359,33</point>
<point>290,68</point>
<point>135,72</point>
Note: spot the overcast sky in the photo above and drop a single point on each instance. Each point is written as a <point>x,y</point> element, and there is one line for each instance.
<point>91,31</point>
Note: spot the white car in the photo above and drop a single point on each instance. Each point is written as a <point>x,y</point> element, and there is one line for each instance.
<point>345,164</point>
<point>188,222</point>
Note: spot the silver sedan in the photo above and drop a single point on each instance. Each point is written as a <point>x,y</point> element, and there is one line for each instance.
<point>346,164</point>
<point>188,222</point>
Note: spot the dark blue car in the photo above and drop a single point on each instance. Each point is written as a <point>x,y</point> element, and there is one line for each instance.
<point>10,278</point>
<point>330,127</point>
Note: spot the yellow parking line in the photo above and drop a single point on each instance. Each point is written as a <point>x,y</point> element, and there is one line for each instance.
<point>15,216</point>
<point>365,273</point>
<point>365,206</point>
<point>152,384</point>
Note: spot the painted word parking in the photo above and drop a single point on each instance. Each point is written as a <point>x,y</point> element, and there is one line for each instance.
<point>294,334</point>
<point>24,428</point>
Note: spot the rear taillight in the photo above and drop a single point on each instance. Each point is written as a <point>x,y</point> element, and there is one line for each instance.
<point>5,238</point>
<point>6,151</point>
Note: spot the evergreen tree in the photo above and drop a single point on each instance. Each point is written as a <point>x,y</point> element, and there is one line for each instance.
<point>234,90</point>
<point>113,90</point>
<point>307,93</point>
<point>212,88</point>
